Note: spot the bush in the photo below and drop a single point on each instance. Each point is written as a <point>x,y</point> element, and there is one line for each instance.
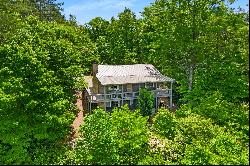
<point>235,118</point>
<point>220,150</point>
<point>146,102</point>
<point>229,150</point>
<point>196,154</point>
<point>119,138</point>
<point>196,127</point>
<point>165,123</point>
<point>97,145</point>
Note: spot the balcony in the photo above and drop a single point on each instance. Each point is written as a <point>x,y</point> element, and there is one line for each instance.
<point>163,92</point>
<point>125,96</point>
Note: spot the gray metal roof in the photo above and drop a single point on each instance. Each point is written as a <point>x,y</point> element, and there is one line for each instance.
<point>124,74</point>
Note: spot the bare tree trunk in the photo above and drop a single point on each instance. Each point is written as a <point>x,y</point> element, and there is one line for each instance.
<point>193,51</point>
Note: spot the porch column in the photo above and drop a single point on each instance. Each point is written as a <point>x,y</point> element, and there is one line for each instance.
<point>171,102</point>
<point>155,94</point>
<point>156,102</point>
<point>104,97</point>
<point>122,94</point>
<point>90,104</point>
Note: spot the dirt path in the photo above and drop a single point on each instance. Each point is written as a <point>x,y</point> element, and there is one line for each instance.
<point>79,119</point>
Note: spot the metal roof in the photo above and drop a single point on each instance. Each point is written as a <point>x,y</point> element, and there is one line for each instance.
<point>124,74</point>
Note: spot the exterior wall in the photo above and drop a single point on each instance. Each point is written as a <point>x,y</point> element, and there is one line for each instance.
<point>100,89</point>
<point>129,96</point>
<point>129,87</point>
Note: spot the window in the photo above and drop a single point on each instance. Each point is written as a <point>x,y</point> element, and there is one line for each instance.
<point>114,104</point>
<point>113,87</point>
<point>125,88</point>
<point>135,87</point>
<point>108,104</point>
<point>129,87</point>
<point>141,85</point>
<point>150,85</point>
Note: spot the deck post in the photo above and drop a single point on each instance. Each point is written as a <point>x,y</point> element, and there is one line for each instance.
<point>104,97</point>
<point>155,94</point>
<point>122,94</point>
<point>90,106</point>
<point>171,102</point>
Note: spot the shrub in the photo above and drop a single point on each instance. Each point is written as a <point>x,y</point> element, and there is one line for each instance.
<point>119,138</point>
<point>146,102</point>
<point>165,123</point>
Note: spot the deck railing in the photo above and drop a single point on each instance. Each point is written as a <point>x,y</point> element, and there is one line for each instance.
<point>126,95</point>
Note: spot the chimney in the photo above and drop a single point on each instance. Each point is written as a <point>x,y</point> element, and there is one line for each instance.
<point>94,68</point>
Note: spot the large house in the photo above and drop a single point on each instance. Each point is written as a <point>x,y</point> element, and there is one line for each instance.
<point>115,85</point>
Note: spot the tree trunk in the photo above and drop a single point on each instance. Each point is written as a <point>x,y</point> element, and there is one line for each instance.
<point>190,77</point>
<point>193,50</point>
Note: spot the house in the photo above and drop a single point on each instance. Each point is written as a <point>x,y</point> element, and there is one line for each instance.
<point>115,85</point>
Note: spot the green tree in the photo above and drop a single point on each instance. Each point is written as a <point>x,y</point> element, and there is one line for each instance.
<point>118,41</point>
<point>165,123</point>
<point>222,149</point>
<point>146,102</point>
<point>12,13</point>
<point>131,134</point>
<point>201,41</point>
<point>119,138</point>
<point>38,71</point>
<point>97,145</point>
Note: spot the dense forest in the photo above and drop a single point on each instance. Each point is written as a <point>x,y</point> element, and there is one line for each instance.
<point>202,44</point>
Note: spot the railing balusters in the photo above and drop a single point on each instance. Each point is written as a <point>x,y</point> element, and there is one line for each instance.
<point>134,95</point>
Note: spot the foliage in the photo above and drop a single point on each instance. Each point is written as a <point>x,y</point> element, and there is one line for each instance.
<point>97,145</point>
<point>119,138</point>
<point>222,149</point>
<point>197,141</point>
<point>196,154</point>
<point>229,112</point>
<point>146,102</point>
<point>131,134</point>
<point>234,117</point>
<point>13,13</point>
<point>118,40</point>
<point>165,123</point>
<point>38,68</point>
<point>195,127</point>
<point>202,44</point>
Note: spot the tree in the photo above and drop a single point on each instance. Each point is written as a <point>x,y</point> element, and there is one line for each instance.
<point>12,13</point>
<point>118,41</point>
<point>97,145</point>
<point>146,102</point>
<point>222,149</point>
<point>194,139</point>
<point>165,123</point>
<point>38,71</point>
<point>131,127</point>
<point>119,138</point>
<point>199,40</point>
